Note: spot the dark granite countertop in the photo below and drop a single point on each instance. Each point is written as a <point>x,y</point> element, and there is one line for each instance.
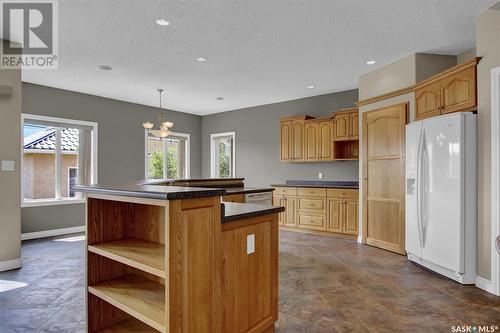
<point>319,184</point>
<point>151,191</point>
<point>233,211</point>
<point>247,190</point>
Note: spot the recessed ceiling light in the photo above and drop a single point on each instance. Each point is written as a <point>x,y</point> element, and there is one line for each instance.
<point>105,67</point>
<point>219,98</point>
<point>370,62</point>
<point>310,86</point>
<point>162,22</point>
<point>201,59</point>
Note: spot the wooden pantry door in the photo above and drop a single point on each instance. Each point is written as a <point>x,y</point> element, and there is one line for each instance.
<point>384,174</point>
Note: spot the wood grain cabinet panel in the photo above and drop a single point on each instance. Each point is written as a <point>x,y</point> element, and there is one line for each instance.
<point>342,126</point>
<point>428,101</point>
<point>335,215</point>
<point>297,140</point>
<point>325,139</point>
<point>285,140</point>
<point>311,221</point>
<point>290,210</point>
<point>453,90</point>
<point>354,122</point>
<point>459,91</point>
<point>350,218</point>
<point>311,141</point>
<point>278,201</point>
<point>250,300</point>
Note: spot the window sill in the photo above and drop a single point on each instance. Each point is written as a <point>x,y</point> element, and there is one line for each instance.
<point>50,202</point>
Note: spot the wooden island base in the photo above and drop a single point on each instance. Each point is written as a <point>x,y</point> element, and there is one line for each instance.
<point>176,266</point>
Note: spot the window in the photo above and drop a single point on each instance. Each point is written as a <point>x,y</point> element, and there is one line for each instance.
<point>222,155</point>
<point>54,150</point>
<point>167,158</point>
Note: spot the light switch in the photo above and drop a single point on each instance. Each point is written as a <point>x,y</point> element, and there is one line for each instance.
<point>320,175</point>
<point>251,244</point>
<point>8,166</point>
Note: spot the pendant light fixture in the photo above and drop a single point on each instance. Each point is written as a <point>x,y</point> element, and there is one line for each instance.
<point>163,129</point>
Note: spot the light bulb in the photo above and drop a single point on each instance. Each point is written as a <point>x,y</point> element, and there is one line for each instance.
<point>147,125</point>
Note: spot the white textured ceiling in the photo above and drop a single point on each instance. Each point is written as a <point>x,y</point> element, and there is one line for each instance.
<point>257,52</point>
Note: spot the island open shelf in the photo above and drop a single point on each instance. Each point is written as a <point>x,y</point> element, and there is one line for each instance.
<point>179,261</point>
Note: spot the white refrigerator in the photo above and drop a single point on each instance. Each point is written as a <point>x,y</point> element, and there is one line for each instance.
<point>441,195</point>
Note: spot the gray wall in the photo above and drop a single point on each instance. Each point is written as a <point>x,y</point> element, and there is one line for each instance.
<point>121,143</point>
<point>257,140</point>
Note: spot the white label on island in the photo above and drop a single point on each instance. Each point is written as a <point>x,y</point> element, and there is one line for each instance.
<point>250,244</point>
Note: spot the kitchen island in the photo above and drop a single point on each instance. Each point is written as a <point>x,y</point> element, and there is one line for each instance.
<point>176,259</point>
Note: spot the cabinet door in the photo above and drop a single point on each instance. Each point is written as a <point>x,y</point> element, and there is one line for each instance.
<point>278,201</point>
<point>459,91</point>
<point>335,215</point>
<point>341,126</point>
<point>325,140</point>
<point>297,147</point>
<point>311,141</point>
<point>428,101</point>
<point>354,123</point>
<point>249,281</point>
<point>290,211</point>
<point>285,140</point>
<point>350,217</point>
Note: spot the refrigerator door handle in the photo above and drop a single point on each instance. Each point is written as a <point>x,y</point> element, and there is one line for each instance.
<point>425,175</point>
<point>419,189</point>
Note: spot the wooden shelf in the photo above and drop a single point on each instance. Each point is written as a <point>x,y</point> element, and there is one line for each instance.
<point>140,254</point>
<point>138,296</point>
<point>130,325</point>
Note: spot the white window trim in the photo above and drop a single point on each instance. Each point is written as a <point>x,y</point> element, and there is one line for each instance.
<point>63,121</point>
<point>187,148</point>
<point>212,153</point>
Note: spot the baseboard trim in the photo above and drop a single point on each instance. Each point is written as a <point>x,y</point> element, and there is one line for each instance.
<point>11,264</point>
<point>484,284</point>
<point>52,232</point>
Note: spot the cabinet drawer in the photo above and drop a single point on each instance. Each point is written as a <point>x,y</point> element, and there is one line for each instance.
<point>285,190</point>
<point>342,193</point>
<point>312,204</point>
<point>310,221</point>
<point>312,192</point>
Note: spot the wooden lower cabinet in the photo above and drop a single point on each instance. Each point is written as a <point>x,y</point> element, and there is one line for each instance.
<point>250,300</point>
<point>319,209</point>
<point>286,218</point>
<point>335,216</point>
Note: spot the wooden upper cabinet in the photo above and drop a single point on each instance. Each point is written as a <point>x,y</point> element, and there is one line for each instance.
<point>311,141</point>
<point>325,139</point>
<point>297,146</point>
<point>285,140</point>
<point>342,126</point>
<point>292,139</point>
<point>354,122</point>
<point>453,90</point>
<point>346,124</point>
<point>459,91</point>
<point>428,100</point>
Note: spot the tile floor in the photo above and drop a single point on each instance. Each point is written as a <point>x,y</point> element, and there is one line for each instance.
<point>327,284</point>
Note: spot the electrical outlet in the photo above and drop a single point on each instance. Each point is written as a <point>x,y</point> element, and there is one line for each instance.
<point>251,244</point>
<point>320,175</point>
<point>8,166</point>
